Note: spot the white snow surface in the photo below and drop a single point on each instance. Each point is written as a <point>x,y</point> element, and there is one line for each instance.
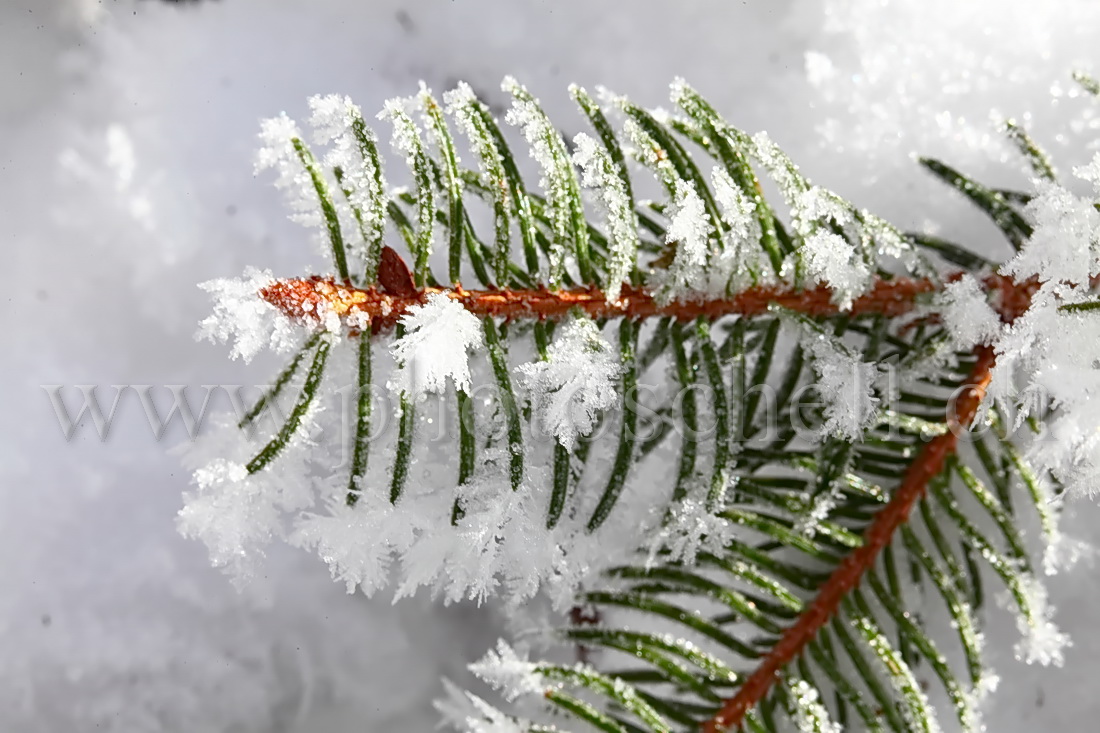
<point>130,129</point>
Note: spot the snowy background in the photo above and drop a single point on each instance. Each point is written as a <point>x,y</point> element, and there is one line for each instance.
<point>127,130</point>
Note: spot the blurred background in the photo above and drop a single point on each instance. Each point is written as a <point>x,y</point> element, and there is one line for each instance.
<point>127,130</point>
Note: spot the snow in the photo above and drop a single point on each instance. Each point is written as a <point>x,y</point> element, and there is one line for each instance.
<point>810,716</point>
<point>1041,641</point>
<point>130,131</point>
<point>599,171</point>
<point>967,314</point>
<point>578,380</point>
<point>508,671</point>
<point>558,179</point>
<point>251,323</point>
<point>334,119</point>
<point>846,384</point>
<point>434,347</point>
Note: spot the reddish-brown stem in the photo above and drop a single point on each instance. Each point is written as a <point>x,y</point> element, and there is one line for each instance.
<point>1014,300</point>
<point>306,299</point>
<point>848,574</point>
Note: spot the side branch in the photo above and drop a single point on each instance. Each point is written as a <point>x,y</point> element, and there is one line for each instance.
<point>847,575</point>
<point>1014,299</point>
<point>310,299</point>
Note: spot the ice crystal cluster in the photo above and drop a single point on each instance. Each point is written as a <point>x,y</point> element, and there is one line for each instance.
<point>699,415</point>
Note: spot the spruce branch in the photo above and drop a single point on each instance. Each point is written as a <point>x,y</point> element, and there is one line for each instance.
<point>928,464</point>
<point>646,451</point>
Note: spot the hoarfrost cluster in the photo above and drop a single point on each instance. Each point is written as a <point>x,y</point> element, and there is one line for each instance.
<point>487,534</point>
<point>434,348</point>
<point>576,382</point>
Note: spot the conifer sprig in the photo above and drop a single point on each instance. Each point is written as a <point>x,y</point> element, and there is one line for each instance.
<point>751,555</point>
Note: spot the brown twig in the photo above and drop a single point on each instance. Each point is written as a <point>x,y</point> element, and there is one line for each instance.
<point>306,299</point>
<point>1014,300</point>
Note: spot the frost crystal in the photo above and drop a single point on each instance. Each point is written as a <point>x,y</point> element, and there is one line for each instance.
<point>1047,356</point>
<point>508,672</point>
<point>741,261</point>
<point>831,259</point>
<point>406,135</point>
<point>688,233</point>
<point>235,513</point>
<point>599,171</point>
<point>1064,246</point>
<point>818,510</point>
<point>407,141</point>
<point>692,527</point>
<point>357,542</point>
<point>502,540</point>
<point>816,213</point>
<point>577,381</point>
<point>559,180</point>
<point>468,713</point>
<point>808,714</point>
<point>433,349</point>
<point>784,172</point>
<point>1042,641</point>
<point>227,513</point>
<point>278,136</point>
<point>242,316</point>
<point>339,122</point>
<point>967,315</point>
<point>277,152</point>
<point>463,104</point>
<point>846,384</point>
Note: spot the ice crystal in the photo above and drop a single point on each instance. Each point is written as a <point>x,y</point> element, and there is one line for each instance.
<point>246,320</point>
<point>693,526</point>
<point>433,349</point>
<point>808,713</point>
<point>599,171</point>
<point>846,384</point>
<point>236,513</point>
<point>741,262</point>
<point>688,235</point>
<point>575,383</point>
<point>468,713</point>
<point>969,318</point>
<point>509,672</point>
<point>1042,642</point>
<point>558,181</point>
<point>338,123</point>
